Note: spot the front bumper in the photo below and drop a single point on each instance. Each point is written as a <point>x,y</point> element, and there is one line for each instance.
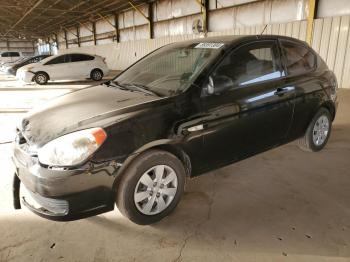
<point>63,194</point>
<point>24,76</point>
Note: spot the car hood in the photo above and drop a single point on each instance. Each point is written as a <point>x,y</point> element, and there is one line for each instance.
<point>96,106</point>
<point>26,67</point>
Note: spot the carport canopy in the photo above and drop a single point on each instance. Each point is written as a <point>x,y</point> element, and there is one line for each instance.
<point>40,18</point>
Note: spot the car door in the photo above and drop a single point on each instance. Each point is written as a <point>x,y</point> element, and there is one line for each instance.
<point>57,67</point>
<point>254,111</point>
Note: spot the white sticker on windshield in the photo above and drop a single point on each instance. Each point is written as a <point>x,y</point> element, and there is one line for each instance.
<point>209,45</point>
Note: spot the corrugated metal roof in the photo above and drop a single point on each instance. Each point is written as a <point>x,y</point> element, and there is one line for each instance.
<point>33,19</point>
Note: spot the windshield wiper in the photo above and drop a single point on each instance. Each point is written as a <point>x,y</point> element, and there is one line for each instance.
<point>132,87</point>
<point>142,88</point>
<point>117,85</point>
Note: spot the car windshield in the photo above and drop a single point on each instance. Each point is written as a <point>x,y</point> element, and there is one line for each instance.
<point>43,61</point>
<point>169,70</point>
<point>24,59</point>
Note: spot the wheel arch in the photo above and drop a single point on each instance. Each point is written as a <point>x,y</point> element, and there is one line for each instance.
<point>43,72</point>
<point>330,107</point>
<point>165,145</point>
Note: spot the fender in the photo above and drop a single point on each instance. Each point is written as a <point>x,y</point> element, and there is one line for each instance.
<point>165,144</point>
<point>138,151</point>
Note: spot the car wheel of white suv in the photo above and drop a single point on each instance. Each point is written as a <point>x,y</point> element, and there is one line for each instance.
<point>96,75</point>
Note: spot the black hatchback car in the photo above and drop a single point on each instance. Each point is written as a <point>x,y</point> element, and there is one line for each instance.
<point>185,109</point>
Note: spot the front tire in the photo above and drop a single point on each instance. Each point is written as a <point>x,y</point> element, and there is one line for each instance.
<point>41,78</point>
<point>151,187</point>
<point>318,132</point>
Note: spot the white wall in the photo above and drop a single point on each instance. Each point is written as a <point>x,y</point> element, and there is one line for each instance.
<point>328,8</point>
<point>176,17</point>
<point>24,46</point>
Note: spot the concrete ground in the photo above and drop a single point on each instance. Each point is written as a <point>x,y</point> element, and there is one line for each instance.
<point>282,205</point>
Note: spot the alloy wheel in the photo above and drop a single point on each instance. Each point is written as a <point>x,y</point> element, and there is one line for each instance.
<point>320,130</point>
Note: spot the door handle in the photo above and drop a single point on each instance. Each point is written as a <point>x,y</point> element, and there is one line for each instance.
<point>283,90</point>
<point>195,128</point>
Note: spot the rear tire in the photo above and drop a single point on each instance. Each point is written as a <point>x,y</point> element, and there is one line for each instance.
<point>41,78</point>
<point>151,187</point>
<point>96,74</point>
<point>318,132</point>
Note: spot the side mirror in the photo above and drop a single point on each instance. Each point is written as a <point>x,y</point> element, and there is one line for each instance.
<point>210,87</point>
<point>218,84</point>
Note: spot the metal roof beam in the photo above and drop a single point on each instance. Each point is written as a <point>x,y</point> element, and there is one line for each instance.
<point>88,12</point>
<point>25,15</point>
<point>43,8</point>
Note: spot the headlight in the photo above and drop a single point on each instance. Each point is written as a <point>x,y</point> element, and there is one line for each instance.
<point>72,149</point>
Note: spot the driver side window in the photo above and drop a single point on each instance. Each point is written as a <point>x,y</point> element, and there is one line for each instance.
<point>250,64</point>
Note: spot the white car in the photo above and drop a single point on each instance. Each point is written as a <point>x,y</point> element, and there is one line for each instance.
<point>10,56</point>
<point>71,66</point>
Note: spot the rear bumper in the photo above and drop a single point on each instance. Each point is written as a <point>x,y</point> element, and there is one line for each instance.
<point>63,195</point>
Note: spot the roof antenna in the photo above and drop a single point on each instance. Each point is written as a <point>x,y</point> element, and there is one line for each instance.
<point>262,31</point>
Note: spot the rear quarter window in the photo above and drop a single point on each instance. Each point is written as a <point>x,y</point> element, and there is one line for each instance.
<point>81,57</point>
<point>298,58</point>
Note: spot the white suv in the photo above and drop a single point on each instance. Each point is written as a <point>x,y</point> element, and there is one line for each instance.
<point>71,66</point>
<point>6,57</point>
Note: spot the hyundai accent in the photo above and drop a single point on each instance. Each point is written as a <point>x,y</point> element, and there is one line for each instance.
<point>183,110</point>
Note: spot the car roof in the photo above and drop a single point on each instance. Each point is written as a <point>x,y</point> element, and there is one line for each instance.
<point>76,53</point>
<point>230,40</point>
<point>49,58</point>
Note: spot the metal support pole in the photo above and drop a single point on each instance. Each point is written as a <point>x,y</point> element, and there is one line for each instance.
<point>206,16</point>
<point>310,20</point>
<point>48,43</point>
<point>94,32</point>
<point>78,35</point>
<point>65,38</point>
<point>204,10</point>
<point>116,25</point>
<point>56,40</point>
<point>150,20</point>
